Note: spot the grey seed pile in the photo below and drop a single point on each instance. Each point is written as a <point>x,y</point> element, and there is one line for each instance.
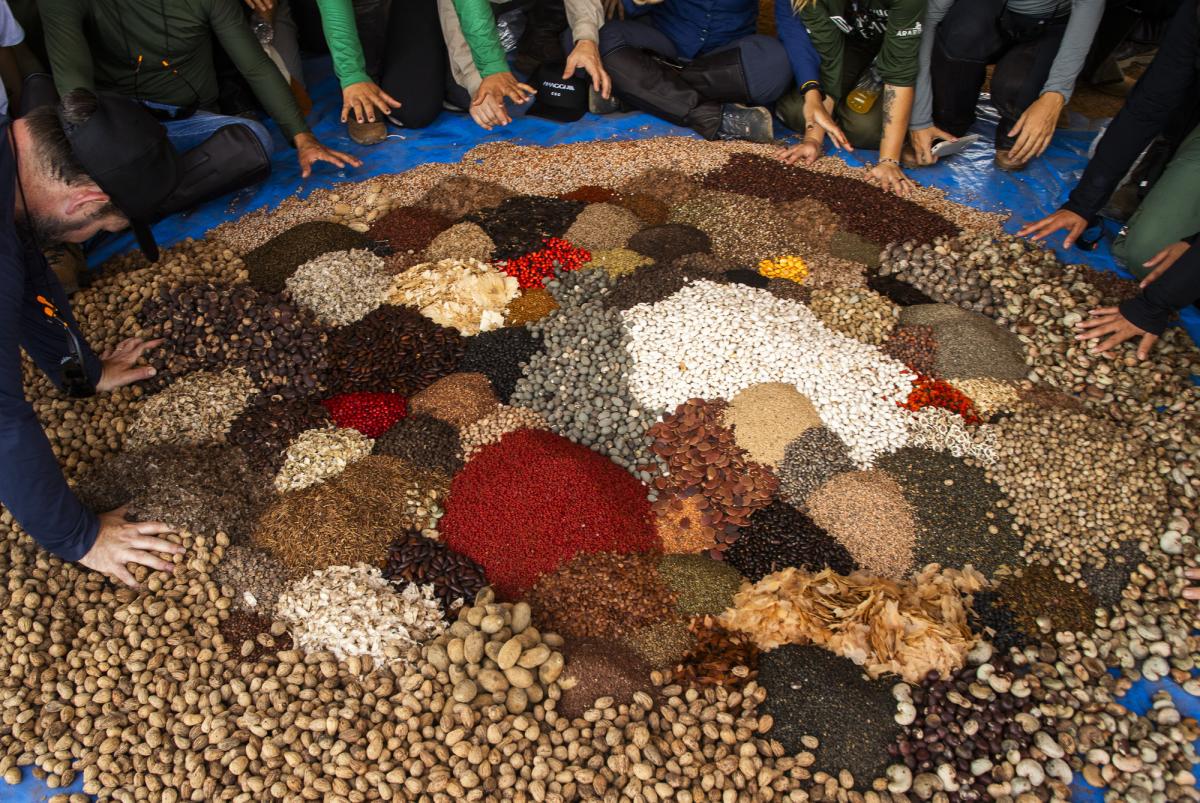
<point>766,417</point>
<point>810,461</point>
<point>459,399</point>
<point>578,379</point>
<point>340,287</point>
<point>743,230</point>
<point>255,575</point>
<point>1108,582</point>
<point>496,424</point>
<point>198,408</point>
<point>455,197</point>
<point>271,263</point>
<point>501,355</point>
<point>813,693</point>
<point>461,241</point>
<point>602,226</point>
<point>970,345</point>
<point>867,513</point>
<point>854,248</point>
<point>861,314</point>
<point>959,513</point>
<point>670,242</point>
<point>424,442</point>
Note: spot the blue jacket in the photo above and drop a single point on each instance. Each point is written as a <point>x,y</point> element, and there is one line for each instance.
<point>32,486</point>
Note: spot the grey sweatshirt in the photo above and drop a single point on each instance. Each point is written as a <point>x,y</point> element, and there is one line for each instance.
<point>1076,41</point>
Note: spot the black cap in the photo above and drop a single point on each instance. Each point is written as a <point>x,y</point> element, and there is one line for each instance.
<point>558,98</point>
<point>126,152</point>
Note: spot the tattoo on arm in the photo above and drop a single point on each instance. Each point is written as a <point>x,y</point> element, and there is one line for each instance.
<point>889,103</point>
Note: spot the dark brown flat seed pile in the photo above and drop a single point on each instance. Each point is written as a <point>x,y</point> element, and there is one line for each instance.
<point>281,346</point>
<point>811,691</point>
<point>413,558</point>
<point>391,350</point>
<point>1038,592</point>
<point>500,355</point>
<point>810,461</point>
<point>701,584</point>
<point>915,346</point>
<point>274,261</point>
<point>649,209</point>
<point>424,442</point>
<point>602,669</point>
<point>668,242</point>
<point>815,222</point>
<point>522,223</point>
<point>672,187</point>
<point>589,194</point>
<point>264,431</point>
<point>958,520</point>
<point>715,657</point>
<point>409,229</point>
<point>455,197</point>
<point>241,626</point>
<point>868,211</point>
<point>780,536</point>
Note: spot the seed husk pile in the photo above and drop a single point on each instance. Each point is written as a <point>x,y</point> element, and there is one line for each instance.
<point>461,241</point>
<point>702,585</point>
<point>765,418</point>
<point>271,263</point>
<point>602,595</point>
<point>465,295</point>
<point>280,345</point>
<point>971,346</point>
<point>391,350</point>
<point>495,425</point>
<point>602,226</point>
<point>810,461</point>
<point>684,523</point>
<point>780,536</point>
<point>413,558</point>
<point>716,657</point>
<point>197,409</point>
<point>867,513</point>
<point>501,357</point>
<point>863,315</point>
<point>667,243</point>
<point>256,577</point>
<point>990,396</point>
<point>455,197</point>
<point>522,223</point>
<point>264,430</point>
<point>424,442</point>
<point>340,287</point>
<point>460,399</point>
<point>315,455</point>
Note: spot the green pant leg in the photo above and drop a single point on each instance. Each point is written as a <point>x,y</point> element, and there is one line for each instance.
<point>863,130</point>
<point>1169,213</point>
<point>790,109</point>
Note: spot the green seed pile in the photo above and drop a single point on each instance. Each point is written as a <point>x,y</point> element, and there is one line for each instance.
<point>702,585</point>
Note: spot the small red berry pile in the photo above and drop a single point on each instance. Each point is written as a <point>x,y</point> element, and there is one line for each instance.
<point>555,255</point>
<point>372,414</point>
<point>927,392</point>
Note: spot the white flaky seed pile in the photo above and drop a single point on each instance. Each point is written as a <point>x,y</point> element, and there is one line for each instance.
<point>462,294</point>
<point>318,454</point>
<point>710,341</point>
<point>340,287</point>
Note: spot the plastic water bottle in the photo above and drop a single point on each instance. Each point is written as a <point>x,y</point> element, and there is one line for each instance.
<point>865,93</point>
<point>263,30</point>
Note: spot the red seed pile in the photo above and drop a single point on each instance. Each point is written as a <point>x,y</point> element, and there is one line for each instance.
<point>555,256</point>
<point>527,504</point>
<point>409,229</point>
<point>265,430</point>
<point>602,595</point>
<point>928,392</point>
<point>413,558</point>
<point>391,350</point>
<point>868,211</point>
<point>372,414</point>
<point>703,455</point>
<point>915,346</point>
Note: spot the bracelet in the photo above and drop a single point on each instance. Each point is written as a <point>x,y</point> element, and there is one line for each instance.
<point>886,161</point>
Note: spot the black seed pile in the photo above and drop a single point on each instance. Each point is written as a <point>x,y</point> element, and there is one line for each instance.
<point>670,241</point>
<point>958,519</point>
<point>391,350</point>
<point>1108,583</point>
<point>413,558</point>
<point>868,211</point>
<point>648,285</point>
<point>274,261</point>
<point>500,355</point>
<point>996,622</point>
<point>793,291</point>
<point>264,430</point>
<point>810,461</point>
<point>900,292</point>
<point>780,536</point>
<point>520,224</point>
<point>424,442</point>
<point>704,265</point>
<point>751,278</point>
<point>811,691</point>
<point>281,346</point>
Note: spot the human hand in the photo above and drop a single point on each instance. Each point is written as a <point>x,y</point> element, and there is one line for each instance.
<point>264,7</point>
<point>1163,260</point>
<point>818,114</point>
<point>586,56</point>
<point>120,366</point>
<point>1191,591</point>
<point>121,542</point>
<point>1063,219</point>
<point>364,98</point>
<point>804,153</point>
<point>309,151</point>
<point>890,178</point>
<point>1108,321</point>
<point>488,112</point>
<point>614,8</point>
<point>923,140</point>
<point>1035,128</point>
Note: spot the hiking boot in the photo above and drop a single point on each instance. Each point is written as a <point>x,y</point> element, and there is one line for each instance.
<point>1005,162</point>
<point>750,123</point>
<point>366,133</point>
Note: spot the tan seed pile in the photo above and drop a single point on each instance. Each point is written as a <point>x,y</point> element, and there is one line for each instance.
<point>340,287</point>
<point>531,305</point>
<point>460,399</point>
<point>197,409</point>
<point>496,424</point>
<point>463,241</point>
<point>866,512</point>
<point>318,454</point>
<point>862,314</point>
<point>766,417</point>
<point>602,226</point>
<point>990,396</point>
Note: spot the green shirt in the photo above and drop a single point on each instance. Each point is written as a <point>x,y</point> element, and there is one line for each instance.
<point>894,26</point>
<point>96,45</point>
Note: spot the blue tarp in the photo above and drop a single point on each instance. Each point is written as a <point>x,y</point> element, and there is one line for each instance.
<point>969,179</point>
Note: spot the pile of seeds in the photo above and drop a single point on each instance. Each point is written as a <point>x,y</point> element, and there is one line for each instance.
<point>915,346</point>
<point>391,350</point>
<point>455,578</point>
<point>372,414</point>
<point>970,345</point>
<point>520,224</point>
<point>463,241</point>
<point>600,670</point>
<point>663,644</point>
<point>424,442</point>
<point>352,610</point>
<point>867,513</point>
<point>409,229</point>
<point>495,425</point>
<point>617,262</point>
<point>648,286</point>
<point>340,287</point>
<point>465,295</point>
<point>810,461</point>
<point>197,409</point>
<point>815,221</point>
<point>863,315</point>
<point>766,418</point>
<point>670,186</point>
<point>667,243</point>
<point>318,454</point>
<point>716,657</point>
<point>602,226</point>
<point>989,396</point>
<point>684,524</point>
<point>256,577</point>
<point>743,231</point>
<point>460,399</point>
<point>1036,593</point>
<point>271,263</point>
<point>780,536</point>
<point>791,268</point>
<point>942,430</point>
<point>531,305</point>
<point>455,197</point>
<point>702,585</point>
<point>264,430</point>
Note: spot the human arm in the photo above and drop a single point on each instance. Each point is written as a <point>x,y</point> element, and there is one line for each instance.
<point>922,131</point>
<point>361,96</point>
<point>897,105</point>
<point>470,28</point>
<point>585,18</point>
<point>1074,47</point>
<point>66,45</point>
<point>806,64</point>
<point>829,43</point>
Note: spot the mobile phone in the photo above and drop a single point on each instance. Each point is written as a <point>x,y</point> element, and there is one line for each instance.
<point>949,147</point>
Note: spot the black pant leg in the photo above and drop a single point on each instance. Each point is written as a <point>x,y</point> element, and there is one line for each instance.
<point>1019,77</point>
<point>415,63</point>
<point>967,37</point>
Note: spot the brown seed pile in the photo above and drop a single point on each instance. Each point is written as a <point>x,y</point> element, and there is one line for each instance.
<point>350,518</point>
<point>264,430</point>
<point>602,595</point>
<point>493,426</point>
<point>990,396</point>
<point>455,197</point>
<point>408,230</point>
<point>684,524</point>
<point>270,264</point>
<point>916,347</point>
<point>598,669</point>
<point>702,585</point>
<point>815,222</point>
<point>1036,596</point>
<point>391,350</point>
<point>460,399</point>
<point>461,241</point>
<point>532,305</point>
<point>970,345</point>
<point>315,455</point>
<point>663,644</point>
<point>1079,485</point>
<point>717,657</point>
<point>672,187</point>
<point>340,287</point>
<point>252,636</point>
<point>703,455</point>
<point>255,576</point>
<point>211,327</point>
<point>197,409</point>
<point>867,513</point>
<point>766,417</point>
<point>668,243</point>
<point>424,442</point>
<point>589,194</point>
<point>602,226</point>
<point>862,314</point>
<point>743,230</point>
<point>618,262</point>
<point>413,558</point>
<point>647,208</point>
